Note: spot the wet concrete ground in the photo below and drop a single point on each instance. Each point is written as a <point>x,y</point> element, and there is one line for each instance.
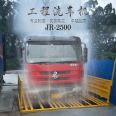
<point>104,111</point>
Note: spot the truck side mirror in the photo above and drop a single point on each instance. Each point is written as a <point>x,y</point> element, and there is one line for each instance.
<point>27,49</point>
<point>27,52</point>
<point>85,54</point>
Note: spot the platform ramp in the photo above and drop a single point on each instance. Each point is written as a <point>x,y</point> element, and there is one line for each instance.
<point>98,95</point>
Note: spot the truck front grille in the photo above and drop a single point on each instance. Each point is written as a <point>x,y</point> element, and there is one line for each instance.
<point>59,78</point>
<point>52,72</point>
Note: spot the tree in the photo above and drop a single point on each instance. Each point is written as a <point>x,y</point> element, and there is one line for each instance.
<point>102,25</point>
<point>99,11</point>
<point>6,26</point>
<point>91,4</point>
<point>108,9</point>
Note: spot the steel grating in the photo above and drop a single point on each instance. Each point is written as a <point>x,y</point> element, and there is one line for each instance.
<point>82,102</point>
<point>98,95</point>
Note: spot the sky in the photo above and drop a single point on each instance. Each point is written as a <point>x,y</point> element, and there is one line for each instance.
<point>105,2</point>
<point>101,2</point>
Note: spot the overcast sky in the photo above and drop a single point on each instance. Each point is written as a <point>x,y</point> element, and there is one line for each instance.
<point>105,2</point>
<point>101,2</point>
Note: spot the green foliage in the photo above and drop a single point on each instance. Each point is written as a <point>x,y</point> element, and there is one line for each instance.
<point>102,25</point>
<point>6,27</point>
<point>12,63</point>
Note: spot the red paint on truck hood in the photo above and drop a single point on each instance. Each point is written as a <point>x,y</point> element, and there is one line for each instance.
<point>55,73</point>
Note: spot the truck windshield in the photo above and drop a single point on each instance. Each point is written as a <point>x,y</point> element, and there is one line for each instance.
<point>36,53</point>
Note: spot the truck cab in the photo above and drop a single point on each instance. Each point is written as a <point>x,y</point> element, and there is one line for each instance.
<point>54,60</point>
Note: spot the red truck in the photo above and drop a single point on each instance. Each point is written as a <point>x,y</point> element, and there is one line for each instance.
<point>55,60</point>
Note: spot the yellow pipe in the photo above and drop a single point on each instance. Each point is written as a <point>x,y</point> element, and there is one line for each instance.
<point>113,72</point>
<point>20,91</point>
<point>29,102</point>
<point>112,79</point>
